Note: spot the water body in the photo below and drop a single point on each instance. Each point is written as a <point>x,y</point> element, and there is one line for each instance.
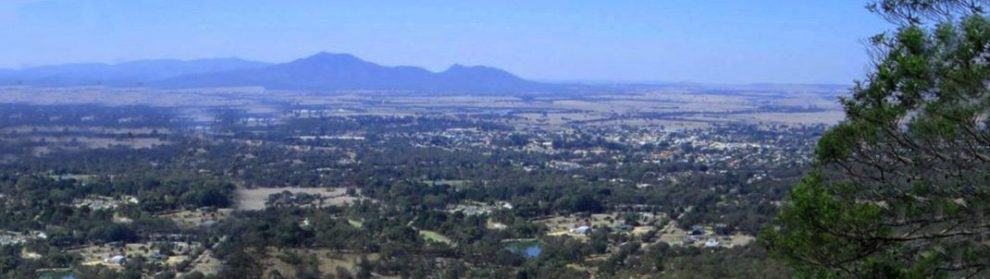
<point>527,248</point>
<point>533,251</point>
<point>56,275</point>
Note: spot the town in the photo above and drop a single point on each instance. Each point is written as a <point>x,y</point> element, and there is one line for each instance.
<point>356,186</point>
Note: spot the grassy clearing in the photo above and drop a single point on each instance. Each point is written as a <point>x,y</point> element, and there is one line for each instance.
<point>99,254</point>
<point>433,236</point>
<point>328,261</point>
<point>188,219</point>
<point>356,223</point>
<point>254,199</point>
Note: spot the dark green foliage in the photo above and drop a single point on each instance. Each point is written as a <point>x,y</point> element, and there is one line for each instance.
<point>903,187</point>
<point>112,233</point>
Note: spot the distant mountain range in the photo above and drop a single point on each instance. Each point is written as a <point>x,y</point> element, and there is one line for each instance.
<point>136,73</point>
<point>320,72</point>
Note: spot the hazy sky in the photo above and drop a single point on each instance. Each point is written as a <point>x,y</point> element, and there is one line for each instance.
<point>723,41</point>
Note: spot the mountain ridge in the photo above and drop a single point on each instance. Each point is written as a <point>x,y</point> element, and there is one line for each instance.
<point>132,73</point>
<point>342,72</point>
<point>323,71</point>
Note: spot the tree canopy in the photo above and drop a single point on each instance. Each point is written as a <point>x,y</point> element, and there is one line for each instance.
<point>902,186</point>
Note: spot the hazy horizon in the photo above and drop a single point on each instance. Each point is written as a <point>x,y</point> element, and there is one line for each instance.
<point>718,42</point>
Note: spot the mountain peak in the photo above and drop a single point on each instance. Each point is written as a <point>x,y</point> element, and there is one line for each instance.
<point>327,56</point>
<point>479,72</point>
<point>323,71</point>
<point>460,67</point>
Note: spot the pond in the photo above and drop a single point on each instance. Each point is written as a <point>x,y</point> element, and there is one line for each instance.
<point>56,274</point>
<point>527,248</point>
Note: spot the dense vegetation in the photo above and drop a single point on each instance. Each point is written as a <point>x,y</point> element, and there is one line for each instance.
<point>901,187</point>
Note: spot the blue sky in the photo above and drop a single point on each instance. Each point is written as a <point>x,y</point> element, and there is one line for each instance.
<point>716,41</point>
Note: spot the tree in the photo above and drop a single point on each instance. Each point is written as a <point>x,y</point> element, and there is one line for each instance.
<point>916,12</point>
<point>902,186</point>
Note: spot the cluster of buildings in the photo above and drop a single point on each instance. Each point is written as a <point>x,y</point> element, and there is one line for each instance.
<point>101,202</point>
<point>12,238</point>
<point>715,150</point>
